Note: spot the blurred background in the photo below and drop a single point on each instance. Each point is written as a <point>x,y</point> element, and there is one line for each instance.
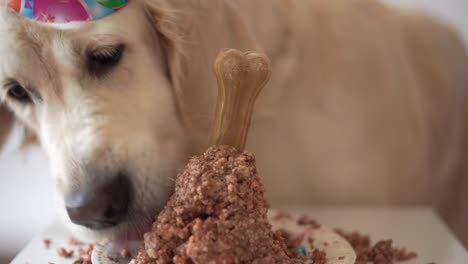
<point>26,202</point>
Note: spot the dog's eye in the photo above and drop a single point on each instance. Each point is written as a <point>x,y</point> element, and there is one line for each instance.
<point>102,60</point>
<point>18,93</point>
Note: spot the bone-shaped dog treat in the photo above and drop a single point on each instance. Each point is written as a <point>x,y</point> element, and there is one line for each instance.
<point>241,77</point>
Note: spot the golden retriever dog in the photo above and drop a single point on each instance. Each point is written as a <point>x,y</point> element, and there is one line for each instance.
<point>366,105</point>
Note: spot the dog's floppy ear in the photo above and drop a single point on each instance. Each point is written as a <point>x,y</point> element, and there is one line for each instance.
<point>6,124</point>
<point>192,34</point>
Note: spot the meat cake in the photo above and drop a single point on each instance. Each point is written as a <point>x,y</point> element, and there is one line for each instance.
<point>218,214</point>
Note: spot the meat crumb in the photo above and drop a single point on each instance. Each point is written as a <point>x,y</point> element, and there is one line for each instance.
<point>82,261</point>
<point>281,216</point>
<point>401,254</point>
<point>73,242</point>
<point>85,254</point>
<point>62,252</point>
<point>90,248</point>
<point>307,221</point>
<point>381,253</point>
<point>125,253</point>
<point>47,243</point>
<point>319,257</point>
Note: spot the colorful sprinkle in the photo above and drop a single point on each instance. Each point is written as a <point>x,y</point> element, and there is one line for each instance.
<point>311,242</point>
<point>302,251</point>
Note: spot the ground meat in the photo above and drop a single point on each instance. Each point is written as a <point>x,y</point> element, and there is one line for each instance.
<point>381,253</point>
<point>85,254</point>
<point>218,214</point>
<point>142,257</point>
<point>84,251</point>
<point>124,253</point>
<point>400,254</point>
<point>73,242</point>
<point>282,216</point>
<point>47,243</point>
<point>82,261</point>
<point>319,257</point>
<point>307,221</point>
<point>62,252</point>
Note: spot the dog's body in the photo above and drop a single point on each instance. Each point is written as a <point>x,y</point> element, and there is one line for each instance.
<point>360,114</point>
<point>366,104</point>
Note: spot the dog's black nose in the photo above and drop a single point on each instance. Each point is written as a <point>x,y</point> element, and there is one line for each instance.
<point>101,206</point>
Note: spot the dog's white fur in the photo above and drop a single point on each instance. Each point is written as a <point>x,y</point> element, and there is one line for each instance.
<point>366,104</point>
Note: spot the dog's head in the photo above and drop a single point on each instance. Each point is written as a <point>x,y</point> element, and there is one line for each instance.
<point>117,104</point>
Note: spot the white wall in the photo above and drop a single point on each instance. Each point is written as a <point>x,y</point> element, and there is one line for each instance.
<point>453,11</point>
<point>25,189</point>
<point>25,197</point>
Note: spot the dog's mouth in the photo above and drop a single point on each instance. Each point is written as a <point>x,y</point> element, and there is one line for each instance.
<point>132,231</point>
<point>125,232</point>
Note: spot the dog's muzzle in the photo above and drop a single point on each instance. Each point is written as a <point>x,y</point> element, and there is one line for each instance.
<point>100,206</point>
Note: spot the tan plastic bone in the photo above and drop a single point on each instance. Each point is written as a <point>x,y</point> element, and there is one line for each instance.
<point>241,77</point>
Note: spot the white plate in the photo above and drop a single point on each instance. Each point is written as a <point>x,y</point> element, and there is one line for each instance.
<point>109,254</point>
<point>338,250</point>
